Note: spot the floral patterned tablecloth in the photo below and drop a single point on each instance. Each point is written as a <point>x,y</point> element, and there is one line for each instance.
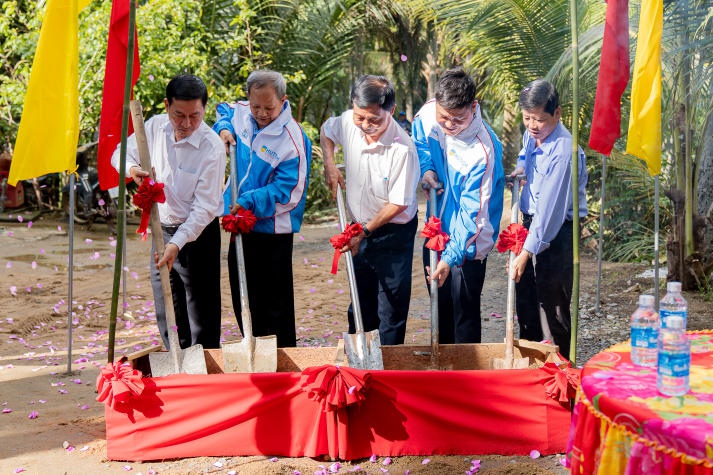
<point>621,424</point>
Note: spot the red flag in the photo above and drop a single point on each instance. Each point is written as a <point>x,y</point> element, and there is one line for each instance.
<point>113,93</point>
<point>613,78</point>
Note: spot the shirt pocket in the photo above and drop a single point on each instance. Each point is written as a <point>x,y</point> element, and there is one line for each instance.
<point>184,184</point>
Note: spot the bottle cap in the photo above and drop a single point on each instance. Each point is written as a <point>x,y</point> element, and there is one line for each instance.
<point>646,300</point>
<point>673,287</point>
<point>675,322</point>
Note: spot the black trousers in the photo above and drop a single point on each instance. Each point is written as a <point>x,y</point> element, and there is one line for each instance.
<point>195,288</point>
<point>383,268</point>
<point>459,301</point>
<point>545,288</point>
<point>268,265</point>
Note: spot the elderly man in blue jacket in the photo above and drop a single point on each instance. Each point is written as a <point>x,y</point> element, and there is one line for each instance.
<point>457,149</point>
<point>273,157</point>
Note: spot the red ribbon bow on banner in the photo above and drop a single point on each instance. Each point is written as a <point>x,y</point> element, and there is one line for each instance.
<point>562,385</point>
<point>512,238</point>
<point>117,382</point>
<point>334,387</point>
<point>338,241</point>
<point>149,192</point>
<point>242,223</point>
<point>437,238</point>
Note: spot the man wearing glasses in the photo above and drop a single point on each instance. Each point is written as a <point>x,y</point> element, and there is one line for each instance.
<point>382,174</point>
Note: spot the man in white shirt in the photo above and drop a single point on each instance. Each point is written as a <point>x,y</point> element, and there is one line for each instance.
<point>382,173</point>
<point>189,159</point>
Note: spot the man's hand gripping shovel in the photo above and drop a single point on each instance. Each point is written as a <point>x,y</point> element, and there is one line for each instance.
<point>363,349</point>
<point>192,359</point>
<point>251,354</point>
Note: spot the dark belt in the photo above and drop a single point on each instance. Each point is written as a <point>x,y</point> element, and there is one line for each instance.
<point>170,229</point>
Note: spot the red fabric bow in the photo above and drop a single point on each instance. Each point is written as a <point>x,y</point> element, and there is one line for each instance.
<point>242,223</point>
<point>563,383</point>
<point>149,192</point>
<point>512,238</point>
<point>437,238</point>
<point>334,387</point>
<point>338,241</point>
<point>117,382</point>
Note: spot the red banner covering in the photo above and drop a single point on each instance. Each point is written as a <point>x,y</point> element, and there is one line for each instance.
<point>341,412</point>
<point>613,78</point>
<point>113,92</point>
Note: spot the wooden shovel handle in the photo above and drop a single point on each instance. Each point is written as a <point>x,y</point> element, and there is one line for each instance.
<point>156,231</point>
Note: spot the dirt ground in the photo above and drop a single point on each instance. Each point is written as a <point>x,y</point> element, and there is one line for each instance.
<point>50,422</point>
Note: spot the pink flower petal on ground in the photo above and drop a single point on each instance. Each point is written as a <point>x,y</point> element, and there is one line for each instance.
<point>13,291</point>
<point>29,224</point>
<point>20,219</point>
<point>273,459</point>
<point>425,461</point>
<point>372,458</point>
<point>34,264</point>
<point>77,381</point>
<point>59,228</point>
<point>127,468</point>
<point>387,461</point>
<point>534,454</point>
<point>9,234</point>
<point>87,241</point>
<point>218,464</point>
<point>8,265</point>
<point>404,57</point>
<point>33,415</point>
<point>475,465</point>
<point>6,410</point>
<point>334,468</point>
<point>19,469</point>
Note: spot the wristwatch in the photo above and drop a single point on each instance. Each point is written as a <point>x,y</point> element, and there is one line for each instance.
<point>367,233</point>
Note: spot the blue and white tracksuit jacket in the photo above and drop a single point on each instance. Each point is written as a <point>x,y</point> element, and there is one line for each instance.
<point>273,167</point>
<point>471,206</point>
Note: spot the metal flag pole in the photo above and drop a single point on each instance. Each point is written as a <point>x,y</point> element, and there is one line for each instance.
<point>600,244</point>
<point>656,241</point>
<point>72,204</point>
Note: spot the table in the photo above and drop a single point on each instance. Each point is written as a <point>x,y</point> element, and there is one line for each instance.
<point>621,424</point>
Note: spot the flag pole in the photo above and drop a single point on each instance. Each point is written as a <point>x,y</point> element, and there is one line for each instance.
<point>656,240</point>
<point>121,223</point>
<point>600,244</point>
<point>70,273</point>
<point>575,183</point>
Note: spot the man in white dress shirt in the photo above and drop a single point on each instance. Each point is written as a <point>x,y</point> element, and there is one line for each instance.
<point>382,174</point>
<point>189,159</point>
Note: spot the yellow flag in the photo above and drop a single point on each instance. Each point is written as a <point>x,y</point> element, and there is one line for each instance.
<point>644,139</point>
<point>49,127</point>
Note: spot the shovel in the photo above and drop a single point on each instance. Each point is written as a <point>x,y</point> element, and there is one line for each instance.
<point>191,360</point>
<point>251,354</point>
<point>363,349</point>
<point>510,362</point>
<point>433,290</point>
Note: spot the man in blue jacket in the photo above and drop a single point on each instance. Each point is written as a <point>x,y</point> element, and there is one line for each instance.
<point>458,149</point>
<point>273,157</point>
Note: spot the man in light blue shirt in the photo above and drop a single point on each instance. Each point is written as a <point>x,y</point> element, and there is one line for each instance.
<point>543,269</point>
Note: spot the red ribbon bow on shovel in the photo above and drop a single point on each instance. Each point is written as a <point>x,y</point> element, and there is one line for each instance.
<point>512,238</point>
<point>437,238</point>
<point>149,192</point>
<point>243,222</point>
<point>338,241</point>
<point>117,382</point>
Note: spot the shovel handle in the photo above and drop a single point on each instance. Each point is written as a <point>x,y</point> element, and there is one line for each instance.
<point>157,233</point>
<point>510,314</point>
<point>358,323</point>
<point>433,262</point>
<point>245,314</point>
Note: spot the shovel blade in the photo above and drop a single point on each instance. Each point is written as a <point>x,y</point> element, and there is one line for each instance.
<point>246,356</point>
<point>364,350</point>
<point>192,362</point>
<point>514,363</point>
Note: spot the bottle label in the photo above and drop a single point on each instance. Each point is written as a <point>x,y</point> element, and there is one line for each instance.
<point>645,337</point>
<point>670,313</point>
<point>676,365</point>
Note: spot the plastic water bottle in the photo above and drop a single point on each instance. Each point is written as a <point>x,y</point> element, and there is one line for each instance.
<point>674,358</point>
<point>673,304</point>
<point>644,332</point>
